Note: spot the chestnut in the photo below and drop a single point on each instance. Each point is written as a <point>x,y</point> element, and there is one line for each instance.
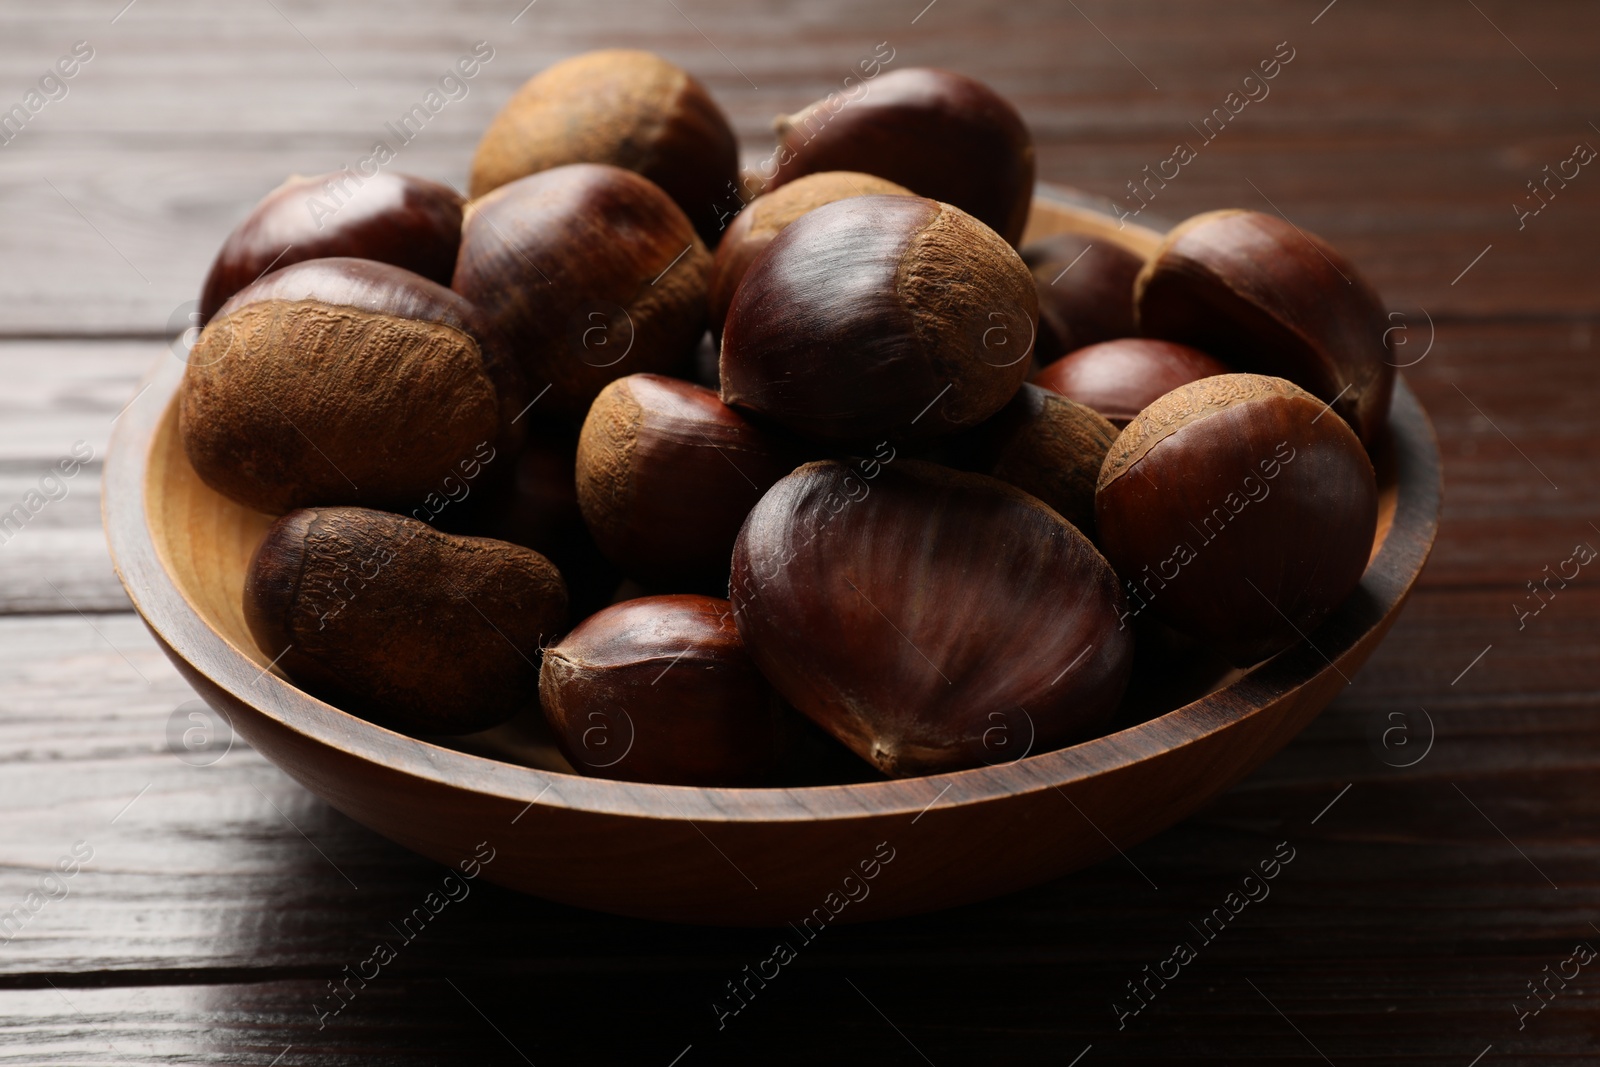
<point>624,107</point>
<point>390,619</point>
<point>393,218</point>
<point>344,381</point>
<point>880,316</point>
<point>940,134</point>
<point>1238,513</point>
<point>1085,287</point>
<point>1121,378</point>
<point>1042,443</point>
<point>755,227</point>
<point>661,689</point>
<point>1264,296</point>
<point>666,473</point>
<point>876,606</point>
<point>590,272</point>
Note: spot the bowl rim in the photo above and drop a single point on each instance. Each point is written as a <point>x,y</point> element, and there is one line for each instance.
<point>1412,449</point>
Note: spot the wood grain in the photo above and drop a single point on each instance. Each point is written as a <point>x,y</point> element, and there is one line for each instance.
<point>60,396</point>
<point>117,196</point>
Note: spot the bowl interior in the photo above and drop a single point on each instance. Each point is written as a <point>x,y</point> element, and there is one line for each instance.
<point>205,541</point>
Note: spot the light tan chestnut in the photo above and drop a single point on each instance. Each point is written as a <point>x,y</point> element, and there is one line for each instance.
<point>345,381</point>
<point>624,107</point>
<point>392,620</point>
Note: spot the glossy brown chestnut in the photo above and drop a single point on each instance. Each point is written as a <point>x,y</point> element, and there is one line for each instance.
<point>345,381</point>
<point>590,272</point>
<point>880,317</point>
<point>392,620</point>
<point>1121,378</point>
<point>755,227</point>
<point>882,608</point>
<point>660,689</point>
<point>1042,443</point>
<point>666,474</point>
<point>393,218</point>
<point>1085,291</point>
<point>627,108</point>
<point>940,134</point>
<point>1238,513</point>
<point>1266,297</point>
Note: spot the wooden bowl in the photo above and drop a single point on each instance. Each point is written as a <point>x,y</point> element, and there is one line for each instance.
<point>736,856</point>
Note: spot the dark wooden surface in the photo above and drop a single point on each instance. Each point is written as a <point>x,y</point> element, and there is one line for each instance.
<point>1419,906</point>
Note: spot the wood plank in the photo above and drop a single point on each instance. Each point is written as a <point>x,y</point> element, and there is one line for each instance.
<point>59,404</point>
<point>1077,68</point>
<point>117,195</point>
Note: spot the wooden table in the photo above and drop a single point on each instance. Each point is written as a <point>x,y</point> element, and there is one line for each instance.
<point>1443,813</point>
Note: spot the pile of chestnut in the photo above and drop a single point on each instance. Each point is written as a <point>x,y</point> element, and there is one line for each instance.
<point>732,473</point>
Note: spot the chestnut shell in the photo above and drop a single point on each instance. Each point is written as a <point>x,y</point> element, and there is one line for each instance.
<point>666,474</point>
<point>1121,378</point>
<point>880,316</point>
<point>344,381</point>
<point>940,134</point>
<point>766,216</point>
<point>1085,291</point>
<point>1265,297</point>
<point>1238,511</point>
<point>625,107</point>
<point>590,272</point>
<point>931,620</point>
<point>1042,443</point>
<point>660,689</point>
<point>392,620</point>
<point>393,218</point>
